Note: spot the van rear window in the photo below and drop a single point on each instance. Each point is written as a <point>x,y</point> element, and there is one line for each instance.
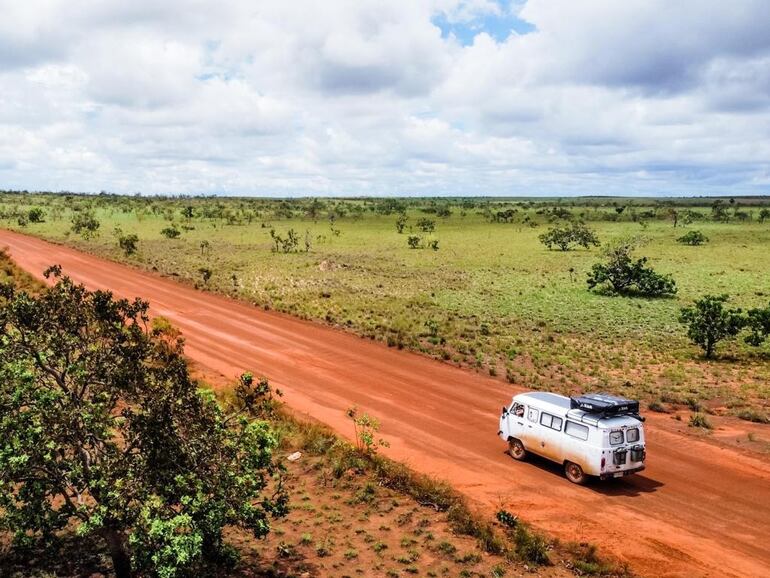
<point>576,430</point>
<point>632,435</point>
<point>616,437</point>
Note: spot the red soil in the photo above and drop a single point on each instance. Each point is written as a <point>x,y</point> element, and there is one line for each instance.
<point>698,510</point>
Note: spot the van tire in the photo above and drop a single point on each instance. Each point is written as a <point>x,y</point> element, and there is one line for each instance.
<point>575,473</point>
<point>516,449</point>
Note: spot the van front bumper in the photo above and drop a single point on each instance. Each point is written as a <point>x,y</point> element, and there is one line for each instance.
<point>621,473</point>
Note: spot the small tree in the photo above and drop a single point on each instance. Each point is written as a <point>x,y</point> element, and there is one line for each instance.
<point>85,224</point>
<point>565,237</point>
<point>426,225</point>
<point>401,223</point>
<point>413,241</point>
<point>708,322</point>
<point>764,214</point>
<point>693,238</point>
<point>103,429</point>
<point>365,428</point>
<point>758,324</point>
<point>628,276</point>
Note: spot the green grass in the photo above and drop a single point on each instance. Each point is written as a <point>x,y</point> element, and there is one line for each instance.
<point>491,298</point>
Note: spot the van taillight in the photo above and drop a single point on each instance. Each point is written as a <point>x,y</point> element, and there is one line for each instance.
<point>604,462</point>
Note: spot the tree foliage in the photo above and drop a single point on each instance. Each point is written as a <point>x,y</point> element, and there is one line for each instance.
<point>102,427</point>
<point>85,224</point>
<point>758,324</point>
<point>564,237</point>
<point>709,322</point>
<point>628,276</point>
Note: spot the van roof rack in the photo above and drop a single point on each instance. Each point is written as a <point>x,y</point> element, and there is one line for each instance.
<point>605,404</point>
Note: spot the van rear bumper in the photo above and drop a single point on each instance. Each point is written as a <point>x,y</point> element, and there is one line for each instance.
<point>621,473</point>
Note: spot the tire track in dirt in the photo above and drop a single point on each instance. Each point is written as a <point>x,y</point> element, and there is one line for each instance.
<point>698,510</point>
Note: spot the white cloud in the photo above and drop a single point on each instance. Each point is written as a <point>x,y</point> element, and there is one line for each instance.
<point>368,97</point>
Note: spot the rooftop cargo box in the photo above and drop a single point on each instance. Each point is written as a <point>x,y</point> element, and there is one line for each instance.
<point>604,404</point>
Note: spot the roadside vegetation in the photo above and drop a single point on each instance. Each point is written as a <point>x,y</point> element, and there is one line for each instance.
<point>470,281</point>
<point>110,449</point>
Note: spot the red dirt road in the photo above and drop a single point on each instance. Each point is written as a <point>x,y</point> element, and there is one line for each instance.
<point>698,510</point>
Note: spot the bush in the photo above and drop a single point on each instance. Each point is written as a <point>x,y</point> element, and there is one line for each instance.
<point>426,225</point>
<point>128,243</point>
<point>758,323</point>
<point>693,238</point>
<point>171,232</point>
<point>627,276</point>
<point>413,241</point>
<point>565,237</point>
<point>754,416</point>
<point>708,322</point>
<point>700,420</point>
<point>36,215</point>
<point>531,547</point>
<point>85,224</point>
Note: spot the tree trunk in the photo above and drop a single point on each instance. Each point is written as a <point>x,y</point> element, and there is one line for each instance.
<point>121,561</point>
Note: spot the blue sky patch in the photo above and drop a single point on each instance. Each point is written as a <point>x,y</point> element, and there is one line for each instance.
<point>498,26</point>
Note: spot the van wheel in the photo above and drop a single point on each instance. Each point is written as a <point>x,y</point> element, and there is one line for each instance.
<point>516,449</point>
<point>574,473</point>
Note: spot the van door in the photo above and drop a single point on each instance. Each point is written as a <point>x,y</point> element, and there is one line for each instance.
<point>529,434</point>
<point>550,436</point>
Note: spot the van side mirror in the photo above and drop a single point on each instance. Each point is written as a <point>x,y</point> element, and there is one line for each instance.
<point>505,410</point>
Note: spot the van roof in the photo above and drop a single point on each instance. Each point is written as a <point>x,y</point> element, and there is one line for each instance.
<point>546,397</point>
<point>562,406</point>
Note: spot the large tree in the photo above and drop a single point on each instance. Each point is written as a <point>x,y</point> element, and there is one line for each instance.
<point>102,427</point>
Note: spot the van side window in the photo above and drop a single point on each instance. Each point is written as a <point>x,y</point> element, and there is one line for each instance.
<point>616,437</point>
<point>532,415</point>
<point>576,430</point>
<point>632,435</point>
<point>550,421</point>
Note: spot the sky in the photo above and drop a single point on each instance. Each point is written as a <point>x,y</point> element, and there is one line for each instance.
<point>386,97</point>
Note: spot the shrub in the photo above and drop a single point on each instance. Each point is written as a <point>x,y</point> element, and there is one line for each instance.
<point>426,225</point>
<point>288,244</point>
<point>171,232</point>
<point>628,276</point>
<point>708,322</point>
<point>401,223</point>
<point>700,420</point>
<point>365,428</point>
<point>531,547</point>
<point>36,215</point>
<point>758,323</point>
<point>128,243</point>
<point>754,416</point>
<point>413,241</point>
<point>85,224</point>
<point>565,237</point>
<point>693,238</point>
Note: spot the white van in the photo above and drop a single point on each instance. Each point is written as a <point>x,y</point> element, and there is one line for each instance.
<point>590,435</point>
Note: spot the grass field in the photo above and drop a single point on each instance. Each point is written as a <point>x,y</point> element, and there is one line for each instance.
<point>492,297</point>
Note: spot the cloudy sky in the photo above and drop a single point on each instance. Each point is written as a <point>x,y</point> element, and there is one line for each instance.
<point>371,97</point>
